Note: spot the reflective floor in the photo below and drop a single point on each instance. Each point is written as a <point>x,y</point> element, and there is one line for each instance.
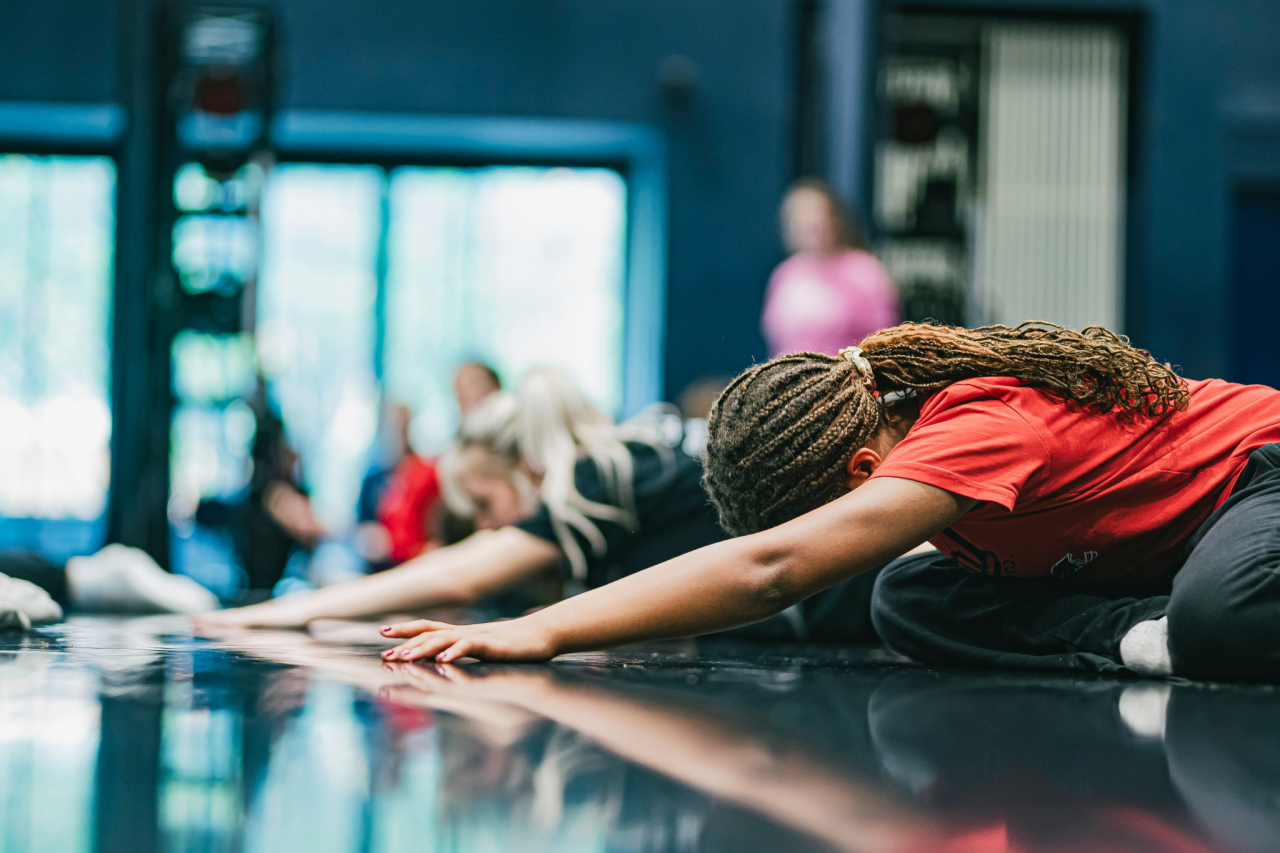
<point>129,735</point>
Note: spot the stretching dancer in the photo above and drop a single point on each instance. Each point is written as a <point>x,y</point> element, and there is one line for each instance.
<point>1092,510</point>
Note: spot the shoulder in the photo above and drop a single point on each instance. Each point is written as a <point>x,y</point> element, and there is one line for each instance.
<point>865,267</point>
<point>796,266</point>
<point>647,465</point>
<point>859,259</point>
<point>983,390</point>
<point>997,406</point>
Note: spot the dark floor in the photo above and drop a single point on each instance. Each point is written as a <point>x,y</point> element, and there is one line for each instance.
<point>129,735</point>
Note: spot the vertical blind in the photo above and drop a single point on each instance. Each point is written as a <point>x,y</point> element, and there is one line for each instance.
<point>1050,216</point>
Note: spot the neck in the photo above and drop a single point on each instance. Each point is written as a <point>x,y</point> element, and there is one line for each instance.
<point>898,421</point>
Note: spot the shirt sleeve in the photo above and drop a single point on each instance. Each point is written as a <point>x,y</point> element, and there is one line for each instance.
<point>982,449</point>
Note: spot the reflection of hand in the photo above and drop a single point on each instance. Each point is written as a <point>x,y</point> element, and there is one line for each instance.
<point>514,640</point>
<point>286,692</point>
<point>497,712</point>
<point>509,684</point>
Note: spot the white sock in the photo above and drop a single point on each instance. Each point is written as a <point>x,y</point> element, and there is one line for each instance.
<point>23,604</point>
<point>1145,648</point>
<point>126,579</point>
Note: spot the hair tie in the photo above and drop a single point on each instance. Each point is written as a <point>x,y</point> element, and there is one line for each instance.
<point>854,354</point>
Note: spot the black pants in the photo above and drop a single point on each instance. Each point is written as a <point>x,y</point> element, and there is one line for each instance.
<point>49,576</point>
<point>1222,600</point>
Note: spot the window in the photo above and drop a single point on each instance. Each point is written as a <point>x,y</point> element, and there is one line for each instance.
<point>376,285</point>
<point>514,266</point>
<point>57,222</point>
<point>316,322</point>
<point>1001,168</point>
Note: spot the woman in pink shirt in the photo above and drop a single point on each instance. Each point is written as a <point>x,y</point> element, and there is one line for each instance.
<point>831,290</point>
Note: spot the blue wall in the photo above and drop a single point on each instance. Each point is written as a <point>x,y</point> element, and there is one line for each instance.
<point>1210,116</point>
<point>729,148</point>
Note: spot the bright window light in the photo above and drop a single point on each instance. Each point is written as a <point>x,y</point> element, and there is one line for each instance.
<point>514,266</point>
<point>57,221</point>
<point>320,231</point>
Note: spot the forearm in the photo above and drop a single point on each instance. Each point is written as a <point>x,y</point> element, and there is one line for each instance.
<point>745,580</point>
<point>711,589</point>
<point>421,583</point>
<point>484,563</point>
<point>714,588</point>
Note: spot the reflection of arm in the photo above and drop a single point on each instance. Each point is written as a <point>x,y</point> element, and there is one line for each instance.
<point>787,784</point>
<point>484,563</point>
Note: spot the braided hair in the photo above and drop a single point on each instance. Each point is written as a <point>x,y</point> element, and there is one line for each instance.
<point>782,434</point>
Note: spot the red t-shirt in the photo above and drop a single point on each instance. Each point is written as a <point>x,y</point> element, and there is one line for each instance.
<point>1069,492</point>
<point>410,491</point>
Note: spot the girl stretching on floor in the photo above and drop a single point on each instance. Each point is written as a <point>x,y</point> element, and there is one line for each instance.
<point>549,480</point>
<point>1091,510</point>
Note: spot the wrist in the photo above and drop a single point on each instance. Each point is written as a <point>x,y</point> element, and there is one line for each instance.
<point>548,636</point>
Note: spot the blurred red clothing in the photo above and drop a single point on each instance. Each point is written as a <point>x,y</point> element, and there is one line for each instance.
<point>410,492</point>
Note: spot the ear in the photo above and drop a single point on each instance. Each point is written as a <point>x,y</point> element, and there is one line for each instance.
<point>863,464</point>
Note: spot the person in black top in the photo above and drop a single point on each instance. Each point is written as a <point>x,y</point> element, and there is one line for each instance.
<point>672,514</point>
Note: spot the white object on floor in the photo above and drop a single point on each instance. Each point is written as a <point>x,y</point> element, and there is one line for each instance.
<point>119,578</point>
<point>23,604</point>
<point>1145,648</point>
<point>30,599</point>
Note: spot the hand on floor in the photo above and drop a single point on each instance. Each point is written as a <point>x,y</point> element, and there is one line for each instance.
<point>514,640</point>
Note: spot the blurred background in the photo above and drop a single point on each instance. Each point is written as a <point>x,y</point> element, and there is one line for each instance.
<point>240,236</point>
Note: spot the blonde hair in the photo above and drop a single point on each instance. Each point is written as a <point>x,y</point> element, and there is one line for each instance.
<point>549,425</point>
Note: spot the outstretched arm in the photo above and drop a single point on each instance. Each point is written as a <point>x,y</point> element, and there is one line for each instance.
<point>486,562</point>
<point>714,588</point>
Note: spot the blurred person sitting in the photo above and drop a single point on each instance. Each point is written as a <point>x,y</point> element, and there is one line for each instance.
<point>399,504</point>
<point>275,520</point>
<point>473,382</point>
<point>831,291</point>
<point>400,512</point>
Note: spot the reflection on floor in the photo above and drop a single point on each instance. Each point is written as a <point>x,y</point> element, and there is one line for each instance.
<point>129,735</point>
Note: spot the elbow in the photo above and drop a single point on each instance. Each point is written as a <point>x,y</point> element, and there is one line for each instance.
<point>773,584</point>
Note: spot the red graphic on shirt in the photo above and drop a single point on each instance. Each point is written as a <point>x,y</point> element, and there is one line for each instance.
<point>1070,567</point>
<point>976,559</point>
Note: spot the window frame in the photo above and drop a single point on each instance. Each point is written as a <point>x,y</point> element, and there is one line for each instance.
<point>390,141</point>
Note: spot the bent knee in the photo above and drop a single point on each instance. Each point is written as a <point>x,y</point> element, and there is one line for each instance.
<point>1218,643</point>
